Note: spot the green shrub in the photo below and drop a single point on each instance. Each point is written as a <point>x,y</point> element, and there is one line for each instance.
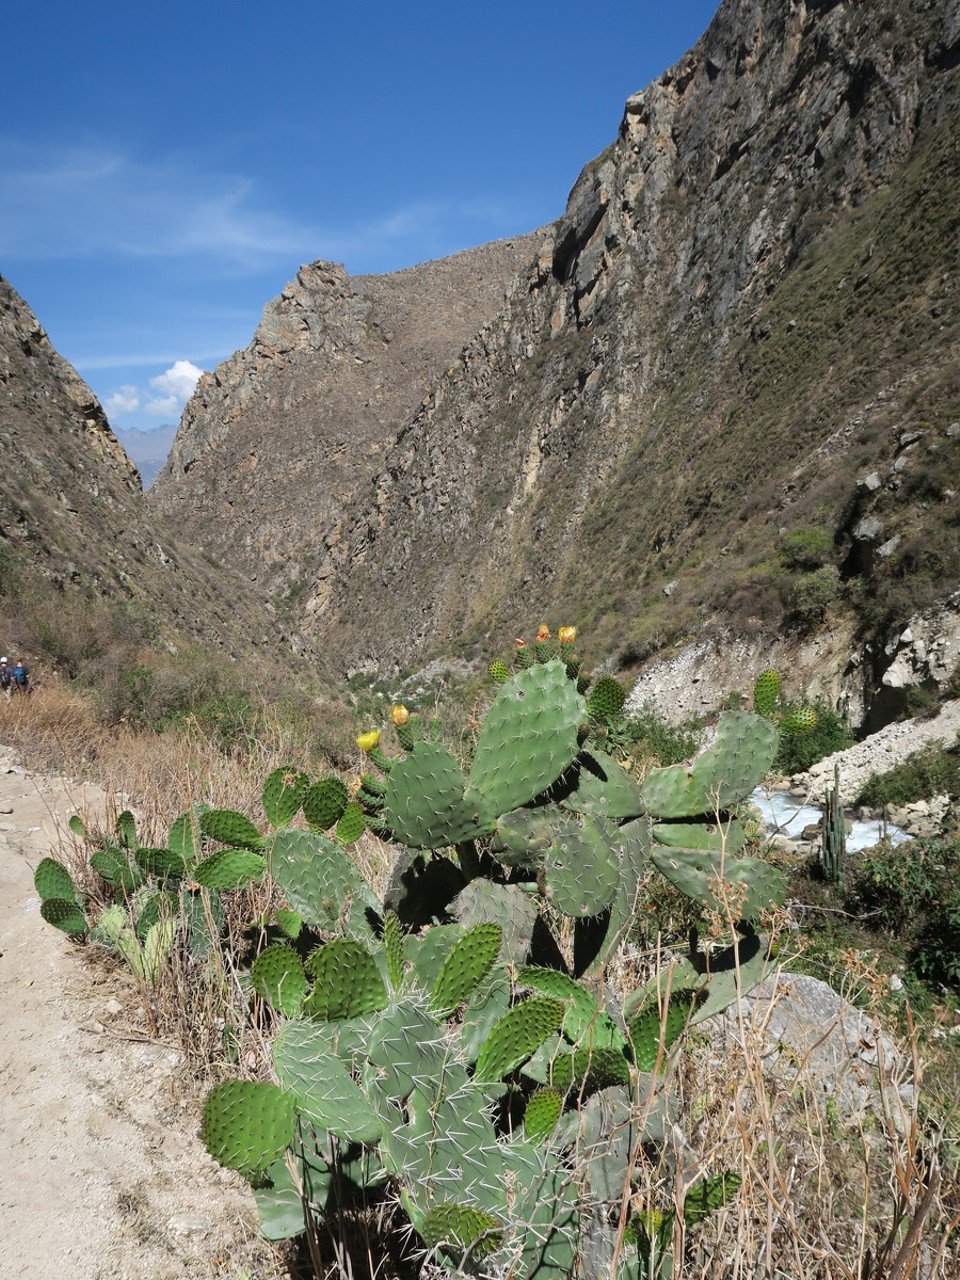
<point>929,772</point>
<point>813,593</point>
<point>807,548</point>
<point>649,731</point>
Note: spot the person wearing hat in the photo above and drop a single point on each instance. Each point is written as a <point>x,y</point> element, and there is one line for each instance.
<point>21,676</point>
<point>6,678</point>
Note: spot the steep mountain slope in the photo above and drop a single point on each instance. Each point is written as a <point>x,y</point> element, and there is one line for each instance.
<point>72,515</point>
<point>278,439</point>
<point>744,327</point>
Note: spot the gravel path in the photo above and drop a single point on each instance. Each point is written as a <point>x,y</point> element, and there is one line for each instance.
<point>102,1175</point>
<point>882,751</point>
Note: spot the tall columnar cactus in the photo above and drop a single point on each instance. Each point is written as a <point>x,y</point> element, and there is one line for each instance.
<point>833,845</point>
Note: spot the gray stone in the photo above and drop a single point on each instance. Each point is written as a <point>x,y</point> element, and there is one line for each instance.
<point>868,529</point>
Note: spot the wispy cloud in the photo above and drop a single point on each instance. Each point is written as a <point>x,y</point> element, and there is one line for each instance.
<point>96,200</point>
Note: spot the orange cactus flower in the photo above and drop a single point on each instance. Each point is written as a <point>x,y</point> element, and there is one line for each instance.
<point>369,741</point>
<point>543,633</point>
<point>567,635</point>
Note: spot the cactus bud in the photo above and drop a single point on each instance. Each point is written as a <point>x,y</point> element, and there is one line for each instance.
<point>543,632</point>
<point>369,741</point>
<point>567,635</point>
<point>399,715</point>
<point>521,643</point>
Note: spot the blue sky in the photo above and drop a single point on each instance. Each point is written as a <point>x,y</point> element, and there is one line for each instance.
<point>165,169</point>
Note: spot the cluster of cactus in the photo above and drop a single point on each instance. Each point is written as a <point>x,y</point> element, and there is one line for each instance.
<point>541,810</point>
<point>768,702</point>
<point>503,1105</point>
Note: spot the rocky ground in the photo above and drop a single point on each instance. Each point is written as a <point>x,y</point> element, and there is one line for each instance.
<point>103,1176</point>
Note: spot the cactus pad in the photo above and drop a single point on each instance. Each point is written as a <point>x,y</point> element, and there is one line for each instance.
<point>393,949</point>
<point>604,788</point>
<point>324,802</point>
<point>351,825</point>
<point>426,803</point>
<point>347,982</point>
<point>247,1125</point>
<point>283,794</point>
<point>800,720</point>
<point>64,914</point>
<point>754,884</point>
<point>498,671</point>
<point>541,1114</point>
<point>322,883</point>
<point>230,828</point>
<point>708,1195</point>
<point>728,836</point>
<point>52,880</point>
<point>726,771</point>
<point>467,964</point>
<point>469,1230</point>
<point>606,699</point>
<point>164,864</point>
<point>229,869</point>
<point>766,691</point>
<point>581,868</point>
<point>277,975</point>
<point>505,905</point>
<point>584,1022</point>
<point>324,1091</point>
<point>517,1035</point>
<point>644,1028</point>
<point>529,737</point>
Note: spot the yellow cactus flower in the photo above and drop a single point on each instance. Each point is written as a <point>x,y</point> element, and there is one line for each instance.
<point>543,633</point>
<point>399,715</point>
<point>355,786</point>
<point>567,635</point>
<point>369,741</point>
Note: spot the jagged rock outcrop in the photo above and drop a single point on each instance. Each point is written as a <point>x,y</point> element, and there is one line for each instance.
<point>750,299</point>
<point>279,438</point>
<point>72,515</point>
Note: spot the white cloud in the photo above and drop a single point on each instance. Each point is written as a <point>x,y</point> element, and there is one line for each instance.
<point>179,380</point>
<point>163,407</point>
<point>124,400</point>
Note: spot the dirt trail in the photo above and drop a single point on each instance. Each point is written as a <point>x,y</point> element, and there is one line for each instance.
<point>102,1176</point>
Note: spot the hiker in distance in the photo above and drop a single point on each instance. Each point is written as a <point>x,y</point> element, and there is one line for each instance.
<point>6,678</point>
<point>21,677</point>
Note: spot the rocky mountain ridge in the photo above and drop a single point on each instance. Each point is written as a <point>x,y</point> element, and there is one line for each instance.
<point>742,331</point>
<point>277,440</point>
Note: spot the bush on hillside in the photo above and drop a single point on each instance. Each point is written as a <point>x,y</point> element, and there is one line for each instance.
<point>929,772</point>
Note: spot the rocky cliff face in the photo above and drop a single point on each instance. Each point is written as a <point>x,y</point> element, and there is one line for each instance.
<point>279,439</point>
<point>71,508</point>
<point>719,399</point>
<point>749,305</point>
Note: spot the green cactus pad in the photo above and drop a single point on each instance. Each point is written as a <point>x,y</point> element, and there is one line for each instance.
<point>584,1023</point>
<point>231,828</point>
<point>529,737</point>
<point>711,836</point>
<point>708,1195</point>
<point>721,976</point>
<point>801,720</point>
<point>164,864</point>
<point>322,883</point>
<point>467,964</point>
<point>427,953</point>
<point>486,1006</point>
<point>351,825</point>
<point>393,949</point>
<point>52,880</point>
<point>185,837</point>
<point>603,788</point>
<point>64,914</point>
<point>427,804</point>
<point>280,1197</point>
<point>695,872</point>
<point>113,865</point>
<point>288,922</point>
<point>278,976</point>
<point>541,1114</point>
<point>543,1243</point>
<point>742,751</point>
<point>468,1230</point>
<point>582,869</point>
<point>229,869</point>
<point>766,691</point>
<point>126,830</point>
<point>645,1027</point>
<point>518,1034</point>
<point>324,802</point>
<point>247,1125</point>
<point>406,1049</point>
<point>523,836</point>
<point>506,905</point>
<point>76,826</point>
<point>606,699</point>
<point>347,982</point>
<point>283,794</point>
<point>324,1091</point>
